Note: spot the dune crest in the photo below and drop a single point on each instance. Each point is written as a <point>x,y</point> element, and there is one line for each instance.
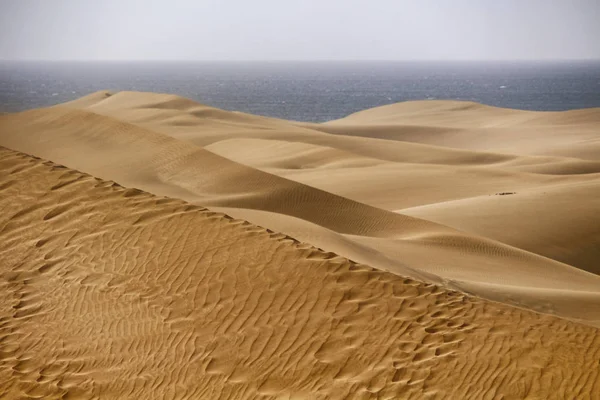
<point>113,292</point>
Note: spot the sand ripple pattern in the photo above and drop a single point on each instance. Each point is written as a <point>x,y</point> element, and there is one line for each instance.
<point>113,293</point>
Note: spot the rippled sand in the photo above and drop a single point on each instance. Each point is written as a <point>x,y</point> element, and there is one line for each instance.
<point>473,230</point>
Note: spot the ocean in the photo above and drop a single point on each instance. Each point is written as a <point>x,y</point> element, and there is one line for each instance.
<point>309,91</point>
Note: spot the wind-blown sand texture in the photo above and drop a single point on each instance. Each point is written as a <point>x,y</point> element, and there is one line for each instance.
<point>120,293</point>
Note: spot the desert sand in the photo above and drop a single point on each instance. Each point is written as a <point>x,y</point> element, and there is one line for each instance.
<point>154,247</point>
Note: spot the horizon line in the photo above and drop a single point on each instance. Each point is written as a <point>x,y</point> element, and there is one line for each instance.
<point>303,60</point>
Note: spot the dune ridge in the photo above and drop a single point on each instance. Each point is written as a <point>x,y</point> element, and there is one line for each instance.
<point>141,296</point>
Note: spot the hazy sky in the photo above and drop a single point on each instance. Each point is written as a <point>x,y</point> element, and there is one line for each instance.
<point>299,29</point>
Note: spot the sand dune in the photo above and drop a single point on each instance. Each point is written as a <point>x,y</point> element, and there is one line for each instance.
<point>400,187</point>
<point>552,232</point>
<point>494,211</point>
<point>136,143</point>
<point>116,293</point>
<point>475,126</point>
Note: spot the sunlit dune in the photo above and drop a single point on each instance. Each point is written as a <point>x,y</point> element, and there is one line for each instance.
<point>154,247</point>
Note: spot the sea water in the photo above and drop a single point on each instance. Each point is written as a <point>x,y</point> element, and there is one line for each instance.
<point>309,91</point>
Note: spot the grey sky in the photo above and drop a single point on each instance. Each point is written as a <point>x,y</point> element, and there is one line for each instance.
<point>299,29</point>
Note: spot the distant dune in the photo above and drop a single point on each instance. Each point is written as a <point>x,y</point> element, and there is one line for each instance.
<point>480,227</point>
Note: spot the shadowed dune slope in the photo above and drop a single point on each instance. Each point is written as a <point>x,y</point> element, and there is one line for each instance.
<point>396,175</point>
<point>400,186</point>
<point>342,193</point>
<point>144,158</point>
<point>565,228</point>
<point>116,293</point>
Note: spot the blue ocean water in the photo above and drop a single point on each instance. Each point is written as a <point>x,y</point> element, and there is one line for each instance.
<point>309,91</point>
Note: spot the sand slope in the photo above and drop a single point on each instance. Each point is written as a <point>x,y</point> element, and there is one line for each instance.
<point>115,293</point>
<point>475,126</point>
<point>348,194</point>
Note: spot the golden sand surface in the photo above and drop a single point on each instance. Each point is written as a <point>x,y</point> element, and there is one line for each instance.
<point>475,235</point>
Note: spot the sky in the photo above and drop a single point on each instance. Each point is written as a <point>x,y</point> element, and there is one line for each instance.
<point>299,29</point>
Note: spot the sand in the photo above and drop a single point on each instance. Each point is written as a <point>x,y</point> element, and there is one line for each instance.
<point>474,235</point>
